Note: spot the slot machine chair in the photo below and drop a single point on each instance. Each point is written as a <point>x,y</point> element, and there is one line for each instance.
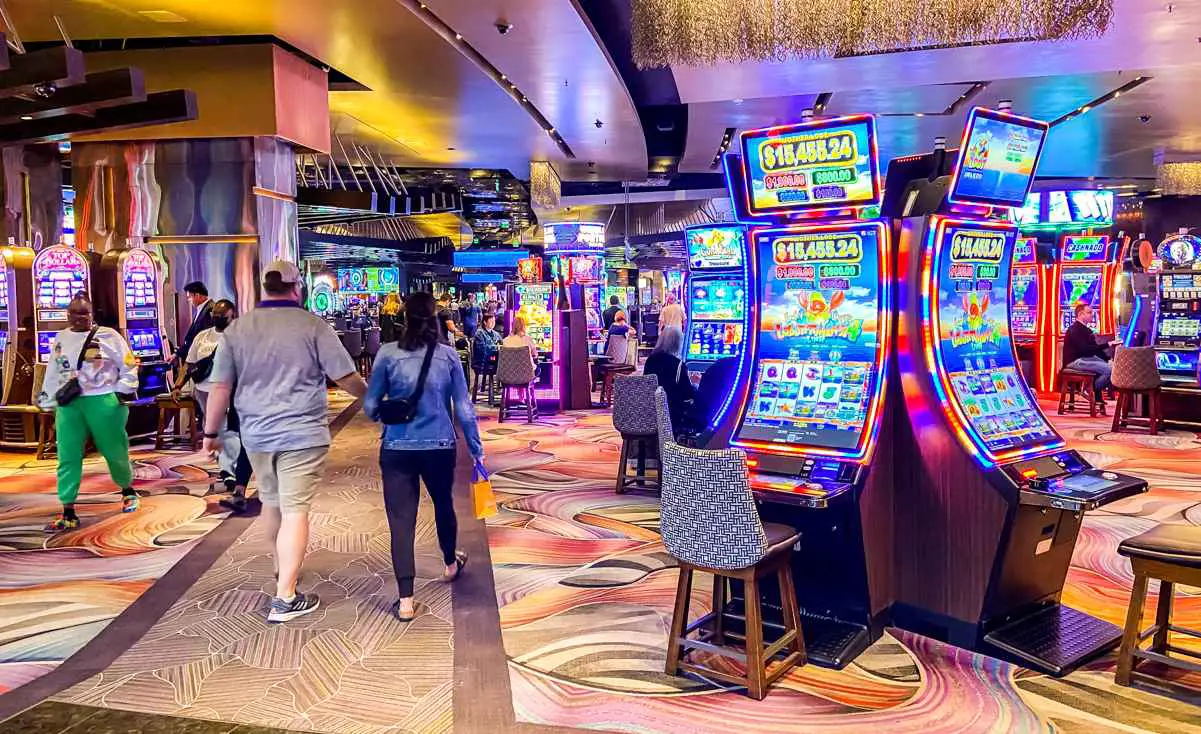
<point>635,419</point>
<point>1078,382</point>
<point>710,523</point>
<point>1136,374</point>
<point>516,373</point>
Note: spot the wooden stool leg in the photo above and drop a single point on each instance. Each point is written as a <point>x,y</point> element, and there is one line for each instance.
<point>1063,394</point>
<point>162,425</point>
<point>1092,400</point>
<point>719,607</point>
<point>475,388</point>
<point>529,404</point>
<point>1153,400</point>
<point>1118,411</point>
<point>622,464</point>
<point>1134,621</point>
<point>679,621</point>
<point>1163,617</point>
<point>792,612</point>
<point>755,674</point>
<point>192,430</point>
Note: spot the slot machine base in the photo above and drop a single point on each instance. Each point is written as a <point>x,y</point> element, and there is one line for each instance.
<point>1054,638</point>
<point>829,643</point>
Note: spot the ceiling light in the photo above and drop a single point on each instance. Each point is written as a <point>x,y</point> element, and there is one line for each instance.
<point>503,77</point>
<point>920,114</point>
<point>162,16</point>
<point>26,117</point>
<point>458,36</point>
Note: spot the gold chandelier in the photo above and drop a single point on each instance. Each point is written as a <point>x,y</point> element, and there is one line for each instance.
<point>706,32</point>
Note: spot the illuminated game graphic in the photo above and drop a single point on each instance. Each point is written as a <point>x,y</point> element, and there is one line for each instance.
<point>715,247</point>
<point>145,342</point>
<point>138,276</point>
<point>584,269</point>
<point>368,280</point>
<point>3,291</point>
<point>59,273</point>
<point>975,356</point>
<point>1080,285</point>
<point>710,341</point>
<point>1179,251</point>
<point>997,159</point>
<point>534,307</point>
<point>593,310</point>
<point>1085,248</point>
<point>625,295</point>
<point>718,299</point>
<point>816,376</point>
<point>529,270</point>
<point>1177,324</point>
<point>573,236</point>
<point>1023,306</point>
<point>827,164</point>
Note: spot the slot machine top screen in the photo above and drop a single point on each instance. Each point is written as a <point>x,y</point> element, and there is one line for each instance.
<point>712,248</point>
<point>139,276</point>
<point>58,274</point>
<point>368,280</point>
<point>811,166</point>
<point>997,159</point>
<point>972,342</point>
<point>819,355</point>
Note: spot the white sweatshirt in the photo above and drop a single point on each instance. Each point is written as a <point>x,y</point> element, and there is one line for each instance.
<point>108,367</point>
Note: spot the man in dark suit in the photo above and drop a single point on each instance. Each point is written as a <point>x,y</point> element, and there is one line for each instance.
<point>202,316</point>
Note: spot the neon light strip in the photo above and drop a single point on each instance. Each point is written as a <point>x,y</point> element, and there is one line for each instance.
<point>969,438</point>
<point>867,439</point>
<point>1138,310</point>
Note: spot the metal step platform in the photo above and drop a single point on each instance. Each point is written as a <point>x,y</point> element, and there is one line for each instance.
<point>1054,639</point>
<point>829,643</point>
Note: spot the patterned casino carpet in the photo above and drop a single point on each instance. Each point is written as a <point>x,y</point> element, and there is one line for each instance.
<point>57,593</point>
<point>585,592</point>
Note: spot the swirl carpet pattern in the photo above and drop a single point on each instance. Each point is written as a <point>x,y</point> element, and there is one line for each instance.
<point>585,591</point>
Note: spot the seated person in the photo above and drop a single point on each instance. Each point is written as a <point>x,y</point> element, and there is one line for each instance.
<point>1082,353</point>
<point>619,339</point>
<point>484,345</point>
<point>518,338</point>
<point>715,386</point>
<point>665,364</point>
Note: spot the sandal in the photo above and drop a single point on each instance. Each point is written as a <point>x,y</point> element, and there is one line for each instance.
<point>418,610</point>
<point>460,562</point>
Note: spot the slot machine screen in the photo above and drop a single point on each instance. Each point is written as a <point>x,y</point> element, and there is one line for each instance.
<point>58,274</point>
<point>997,159</point>
<point>3,340</point>
<point>593,309</point>
<point>1076,285</point>
<point>1023,304</point>
<point>819,349</point>
<point>44,340</point>
<point>138,276</point>
<point>973,339</point>
<point>533,304</point>
<point>3,289</point>
<point>710,341</point>
<point>711,248</point>
<point>1177,366</point>
<point>145,343</point>
<point>717,299</point>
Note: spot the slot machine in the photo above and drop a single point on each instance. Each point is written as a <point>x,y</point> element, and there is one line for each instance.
<point>16,321</point>
<point>812,406</point>
<point>1026,305</point>
<point>716,301</point>
<point>1177,325</point>
<point>562,378</point>
<point>127,285</point>
<point>577,258</point>
<point>1085,271</point>
<point>58,274</point>
<point>989,502</point>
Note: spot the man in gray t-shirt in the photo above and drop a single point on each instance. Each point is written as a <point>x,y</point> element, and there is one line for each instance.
<point>275,361</point>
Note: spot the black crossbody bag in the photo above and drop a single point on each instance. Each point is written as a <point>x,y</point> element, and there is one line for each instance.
<point>404,410</point>
<point>71,389</point>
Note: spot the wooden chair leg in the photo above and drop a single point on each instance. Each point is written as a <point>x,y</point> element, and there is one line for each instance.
<point>755,674</point>
<point>1092,400</point>
<point>792,611</point>
<point>1063,395</point>
<point>504,403</point>
<point>43,435</point>
<point>622,464</point>
<point>1134,621</point>
<point>192,436</point>
<point>719,607</point>
<point>1118,411</point>
<point>679,621</point>
<point>529,404</point>
<point>1153,400</point>
<point>1163,617</point>
<point>162,426</point>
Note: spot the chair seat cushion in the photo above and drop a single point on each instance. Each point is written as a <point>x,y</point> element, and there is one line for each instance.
<point>1080,374</point>
<point>779,537</point>
<point>1178,544</point>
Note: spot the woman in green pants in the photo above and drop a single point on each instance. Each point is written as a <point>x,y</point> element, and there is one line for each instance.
<point>108,370</point>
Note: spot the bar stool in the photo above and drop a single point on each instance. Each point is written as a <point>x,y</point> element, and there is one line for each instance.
<point>484,372</point>
<point>634,418</point>
<point>710,524</point>
<point>516,374</point>
<point>1135,372</point>
<point>1074,381</point>
<point>172,409</point>
<point>1172,554</point>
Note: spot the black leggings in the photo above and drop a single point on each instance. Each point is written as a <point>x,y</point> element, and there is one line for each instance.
<point>402,494</point>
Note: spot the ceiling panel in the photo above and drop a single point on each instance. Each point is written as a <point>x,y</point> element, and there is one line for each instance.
<point>707,122</point>
<point>932,98</point>
<point>554,58</point>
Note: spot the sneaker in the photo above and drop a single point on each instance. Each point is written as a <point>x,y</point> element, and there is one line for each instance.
<point>286,611</point>
<point>130,502</point>
<point>235,503</point>
<point>62,524</point>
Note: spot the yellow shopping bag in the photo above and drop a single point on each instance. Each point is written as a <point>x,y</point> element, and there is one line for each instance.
<point>482,496</point>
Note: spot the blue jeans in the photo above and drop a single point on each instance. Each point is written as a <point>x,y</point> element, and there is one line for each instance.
<point>1098,367</point>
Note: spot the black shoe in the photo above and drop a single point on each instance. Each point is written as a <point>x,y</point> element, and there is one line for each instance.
<point>286,611</point>
<point>235,503</point>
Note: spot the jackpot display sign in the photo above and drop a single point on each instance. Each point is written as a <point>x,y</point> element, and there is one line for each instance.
<point>573,236</point>
<point>712,248</point>
<point>819,350</point>
<point>997,159</point>
<point>828,164</point>
<point>1080,285</point>
<point>975,356</point>
<point>368,281</point>
<point>1084,249</point>
<point>139,277</point>
<point>58,274</point>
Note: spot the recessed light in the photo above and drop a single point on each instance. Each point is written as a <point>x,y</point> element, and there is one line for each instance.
<point>162,16</point>
<point>451,148</point>
<point>458,36</point>
<point>27,117</point>
<point>738,100</point>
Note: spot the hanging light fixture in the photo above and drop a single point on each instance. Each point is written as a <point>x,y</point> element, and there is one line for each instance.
<point>705,32</point>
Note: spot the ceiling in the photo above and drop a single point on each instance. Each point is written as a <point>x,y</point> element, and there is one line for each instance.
<point>430,101</point>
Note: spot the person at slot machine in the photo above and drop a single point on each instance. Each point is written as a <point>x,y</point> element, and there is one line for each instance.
<point>665,364</point>
<point>672,314</point>
<point>611,312</point>
<point>202,316</point>
<point>519,338</point>
<point>391,319</point>
<point>1082,353</point>
<point>90,376</point>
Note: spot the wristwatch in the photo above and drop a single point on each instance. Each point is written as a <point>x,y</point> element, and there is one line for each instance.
<point>212,435</point>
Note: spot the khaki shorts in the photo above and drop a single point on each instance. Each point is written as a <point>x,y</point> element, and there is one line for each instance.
<point>288,479</point>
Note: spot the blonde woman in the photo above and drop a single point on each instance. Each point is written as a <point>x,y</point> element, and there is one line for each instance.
<point>390,320</point>
<point>518,338</point>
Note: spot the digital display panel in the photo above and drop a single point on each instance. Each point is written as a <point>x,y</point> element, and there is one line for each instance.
<point>711,248</point>
<point>533,304</point>
<point>1025,251</point>
<point>1029,212</point>
<point>819,350</point>
<point>483,259</point>
<point>139,278</point>
<point>1091,207</point>
<point>1081,284</point>
<point>573,236</point>
<point>3,340</point>
<point>1023,301</point>
<point>1058,211</point>
<point>322,300</point>
<point>368,280</point>
<point>973,338</point>
<point>1084,248</point>
<point>145,342</point>
<point>58,274</point>
<point>625,295</point>
<point>1178,366</point>
<point>827,164</point>
<point>710,341</point>
<point>45,338</point>
<point>1179,251</point>
<point>592,310</point>
<point>529,270</point>
<point>717,299</point>
<point>582,269</point>
<point>3,289</point>
<point>997,159</point>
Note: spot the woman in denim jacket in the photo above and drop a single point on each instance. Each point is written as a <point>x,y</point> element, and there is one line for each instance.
<point>425,448</point>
